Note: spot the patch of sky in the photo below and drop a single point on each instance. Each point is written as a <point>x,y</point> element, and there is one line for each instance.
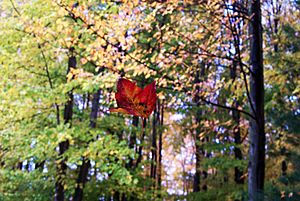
<point>101,176</point>
<point>72,166</point>
<point>176,117</point>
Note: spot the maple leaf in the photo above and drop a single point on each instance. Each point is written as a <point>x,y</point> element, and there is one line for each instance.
<point>131,99</point>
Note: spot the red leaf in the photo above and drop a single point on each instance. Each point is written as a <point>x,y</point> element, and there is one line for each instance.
<point>131,99</point>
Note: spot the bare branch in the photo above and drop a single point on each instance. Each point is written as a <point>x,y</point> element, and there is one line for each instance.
<point>14,7</point>
<point>227,107</point>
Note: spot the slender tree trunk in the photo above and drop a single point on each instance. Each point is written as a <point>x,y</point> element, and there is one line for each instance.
<point>132,145</point>
<point>196,185</point>
<point>63,146</point>
<point>140,149</point>
<point>154,145</point>
<point>19,165</point>
<point>237,32</point>
<point>276,20</point>
<point>161,123</point>
<point>237,135</point>
<point>237,140</point>
<point>277,9</point>
<point>132,141</point>
<point>256,169</point>
<point>40,166</point>
<point>86,164</point>
<point>199,151</point>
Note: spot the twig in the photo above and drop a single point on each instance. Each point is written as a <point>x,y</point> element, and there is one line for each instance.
<point>13,5</point>
<point>227,107</point>
<point>239,59</point>
<point>50,83</point>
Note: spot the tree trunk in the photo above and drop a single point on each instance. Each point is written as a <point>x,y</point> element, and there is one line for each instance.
<point>277,9</point>
<point>237,32</point>
<point>132,141</point>
<point>256,169</point>
<point>140,149</point>
<point>196,185</point>
<point>199,151</point>
<point>63,146</point>
<point>20,165</point>
<point>161,123</point>
<point>154,145</point>
<point>86,164</point>
<point>237,135</point>
<point>237,151</point>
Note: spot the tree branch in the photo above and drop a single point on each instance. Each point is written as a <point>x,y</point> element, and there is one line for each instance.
<point>14,7</point>
<point>227,107</point>
<point>50,83</point>
<point>236,44</point>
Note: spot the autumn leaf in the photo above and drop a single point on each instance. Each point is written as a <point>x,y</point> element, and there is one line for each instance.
<point>131,99</point>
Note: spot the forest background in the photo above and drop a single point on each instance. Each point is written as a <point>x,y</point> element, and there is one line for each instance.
<point>226,122</point>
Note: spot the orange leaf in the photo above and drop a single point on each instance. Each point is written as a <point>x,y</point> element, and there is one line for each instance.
<point>131,99</point>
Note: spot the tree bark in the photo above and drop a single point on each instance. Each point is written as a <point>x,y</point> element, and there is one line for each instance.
<point>130,164</point>
<point>237,140</point>
<point>86,164</point>
<point>199,151</point>
<point>237,134</point>
<point>132,141</point>
<point>154,145</point>
<point>277,9</point>
<point>196,185</point>
<point>161,123</point>
<point>140,149</point>
<point>63,146</point>
<point>256,168</point>
<point>237,32</point>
